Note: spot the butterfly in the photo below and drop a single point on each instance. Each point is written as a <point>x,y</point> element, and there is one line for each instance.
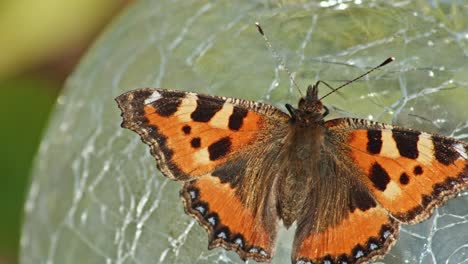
<point>246,167</point>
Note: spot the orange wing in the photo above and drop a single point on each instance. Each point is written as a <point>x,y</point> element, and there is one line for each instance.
<point>229,222</point>
<point>191,134</point>
<point>365,233</point>
<point>408,172</point>
<point>213,143</point>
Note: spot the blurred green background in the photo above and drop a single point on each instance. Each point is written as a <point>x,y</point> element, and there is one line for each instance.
<point>40,43</point>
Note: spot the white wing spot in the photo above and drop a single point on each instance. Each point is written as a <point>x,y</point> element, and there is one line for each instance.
<point>253,250</point>
<point>386,234</point>
<point>239,242</point>
<point>193,194</point>
<point>200,209</point>
<point>153,97</point>
<point>359,254</point>
<point>222,235</point>
<point>212,221</point>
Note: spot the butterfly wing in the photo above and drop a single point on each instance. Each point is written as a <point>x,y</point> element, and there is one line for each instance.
<point>192,134</point>
<point>364,234</point>
<point>342,222</point>
<point>213,144</point>
<point>397,175</point>
<point>408,172</point>
<point>229,222</point>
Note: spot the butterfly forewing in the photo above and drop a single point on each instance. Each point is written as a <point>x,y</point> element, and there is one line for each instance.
<point>192,134</point>
<point>409,172</point>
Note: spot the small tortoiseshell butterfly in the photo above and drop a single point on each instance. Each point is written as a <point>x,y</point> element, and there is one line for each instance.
<point>347,183</point>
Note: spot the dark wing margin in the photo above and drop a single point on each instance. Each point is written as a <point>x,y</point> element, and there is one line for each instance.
<point>363,235</point>
<point>230,223</point>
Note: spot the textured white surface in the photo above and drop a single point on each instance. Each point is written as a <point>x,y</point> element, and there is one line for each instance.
<point>96,196</point>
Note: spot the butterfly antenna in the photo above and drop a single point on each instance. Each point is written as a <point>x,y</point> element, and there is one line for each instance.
<point>277,57</point>
<point>387,61</point>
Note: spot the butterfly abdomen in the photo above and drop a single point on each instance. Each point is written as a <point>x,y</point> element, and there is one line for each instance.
<point>299,170</point>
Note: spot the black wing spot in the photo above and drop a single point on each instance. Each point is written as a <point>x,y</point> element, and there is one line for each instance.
<point>379,177</point>
<point>407,142</point>
<point>404,179</point>
<point>444,150</point>
<point>231,172</point>
<point>172,94</point>
<point>207,107</point>
<point>142,94</point>
<point>418,170</point>
<point>186,129</point>
<point>361,200</point>
<point>220,148</point>
<point>237,118</point>
<point>374,143</point>
<point>168,108</point>
<point>195,142</point>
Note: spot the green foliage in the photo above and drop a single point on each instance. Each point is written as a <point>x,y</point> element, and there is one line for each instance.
<point>24,107</point>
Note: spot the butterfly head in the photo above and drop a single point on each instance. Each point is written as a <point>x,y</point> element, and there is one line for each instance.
<point>310,111</point>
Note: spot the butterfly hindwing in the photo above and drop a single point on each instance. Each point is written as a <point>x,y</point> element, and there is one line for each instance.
<point>408,172</point>
<point>230,223</point>
<point>342,223</point>
<point>192,134</point>
<point>362,235</point>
